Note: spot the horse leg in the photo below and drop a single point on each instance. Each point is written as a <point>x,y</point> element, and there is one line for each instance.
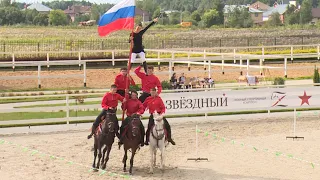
<point>103,162</point>
<point>95,154</point>
<point>107,157</point>
<point>124,160</point>
<point>155,157</point>
<point>162,157</point>
<point>132,157</point>
<point>151,159</point>
<point>99,157</point>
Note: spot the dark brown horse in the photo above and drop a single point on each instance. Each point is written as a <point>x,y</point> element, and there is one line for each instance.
<point>104,137</point>
<point>132,140</point>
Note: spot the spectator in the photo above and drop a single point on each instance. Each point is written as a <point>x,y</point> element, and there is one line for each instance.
<point>174,81</point>
<point>182,80</point>
<point>211,82</point>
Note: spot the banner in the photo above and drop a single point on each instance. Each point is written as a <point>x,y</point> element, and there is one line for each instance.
<point>241,100</point>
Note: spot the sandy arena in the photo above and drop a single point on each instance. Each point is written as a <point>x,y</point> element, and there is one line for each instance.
<point>227,161</point>
<point>103,78</point>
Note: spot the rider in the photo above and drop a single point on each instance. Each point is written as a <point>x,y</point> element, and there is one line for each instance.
<point>148,82</point>
<point>133,106</point>
<point>155,105</point>
<point>120,81</point>
<point>109,104</point>
<point>138,48</point>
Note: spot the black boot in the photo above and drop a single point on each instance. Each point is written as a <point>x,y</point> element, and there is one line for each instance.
<point>121,132</point>
<point>142,135</point>
<point>93,130</point>
<point>144,64</point>
<point>147,137</point>
<point>167,125</point>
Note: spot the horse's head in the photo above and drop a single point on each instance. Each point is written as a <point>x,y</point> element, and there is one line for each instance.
<point>135,124</point>
<point>158,117</point>
<point>108,125</point>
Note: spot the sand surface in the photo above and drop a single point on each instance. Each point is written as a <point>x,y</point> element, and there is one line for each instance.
<point>259,151</point>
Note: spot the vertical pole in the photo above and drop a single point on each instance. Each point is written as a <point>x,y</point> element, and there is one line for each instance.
<point>241,62</point>
<point>79,54</point>
<point>285,67</point>
<point>204,54</point>
<point>48,66</point>
<point>67,103</point>
<point>39,78</point>
<point>85,74</point>
<point>13,60</point>
<point>197,141</point>
<point>222,67</point>
<point>113,58</point>
<point>294,121</point>
<point>291,51</point>
<point>263,53</point>
<point>159,60</point>
<point>261,67</point>
<point>248,64</point>
<point>234,56</point>
<point>209,68</point>
<point>318,52</point>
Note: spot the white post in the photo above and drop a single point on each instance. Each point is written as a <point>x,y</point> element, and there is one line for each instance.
<point>39,78</point>
<point>112,53</point>
<point>248,64</point>
<point>67,103</point>
<point>13,60</point>
<point>158,55</point>
<point>294,121</point>
<point>189,55</point>
<point>260,66</point>
<point>189,67</point>
<point>79,54</point>
<point>263,53</point>
<point>204,64</point>
<point>222,67</point>
<point>241,62</point>
<point>170,69</point>
<point>48,60</point>
<point>85,74</point>
<point>204,54</point>
<point>197,141</point>
<point>285,67</point>
<point>318,52</point>
<point>291,52</point>
<point>209,69</point>
<point>234,56</point>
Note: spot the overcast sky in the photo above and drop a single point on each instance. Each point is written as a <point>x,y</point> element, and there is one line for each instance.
<point>93,1</point>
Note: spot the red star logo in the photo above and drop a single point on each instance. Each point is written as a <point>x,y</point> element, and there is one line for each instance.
<point>304,98</point>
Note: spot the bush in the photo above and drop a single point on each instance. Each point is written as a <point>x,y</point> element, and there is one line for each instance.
<point>279,81</point>
<point>165,85</point>
<point>316,77</point>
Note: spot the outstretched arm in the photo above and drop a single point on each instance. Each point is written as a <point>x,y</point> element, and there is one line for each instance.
<point>146,28</point>
<point>138,73</point>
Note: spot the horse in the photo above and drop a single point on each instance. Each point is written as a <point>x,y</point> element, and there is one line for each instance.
<point>104,136</point>
<point>157,141</point>
<point>131,140</point>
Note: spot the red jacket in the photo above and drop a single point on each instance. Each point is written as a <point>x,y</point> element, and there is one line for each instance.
<point>111,100</point>
<point>148,82</point>
<point>154,104</point>
<point>120,81</point>
<point>133,106</point>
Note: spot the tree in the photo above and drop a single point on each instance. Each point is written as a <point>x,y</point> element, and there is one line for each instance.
<point>305,12</point>
<point>81,18</point>
<point>41,20</point>
<point>274,20</point>
<point>57,18</point>
<point>174,18</point>
<point>30,15</point>
<point>196,16</point>
<point>239,17</point>
<point>210,18</point>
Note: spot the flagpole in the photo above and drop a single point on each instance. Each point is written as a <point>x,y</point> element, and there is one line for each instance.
<point>128,73</point>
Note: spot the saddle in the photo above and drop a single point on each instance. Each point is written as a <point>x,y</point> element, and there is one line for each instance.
<point>125,128</point>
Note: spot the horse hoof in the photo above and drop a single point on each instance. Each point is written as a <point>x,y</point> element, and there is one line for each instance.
<point>124,170</point>
<point>95,170</point>
<point>104,167</point>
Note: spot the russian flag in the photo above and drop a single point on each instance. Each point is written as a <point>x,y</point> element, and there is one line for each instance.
<point>119,17</point>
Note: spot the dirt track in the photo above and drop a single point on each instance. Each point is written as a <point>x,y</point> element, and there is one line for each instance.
<point>103,78</point>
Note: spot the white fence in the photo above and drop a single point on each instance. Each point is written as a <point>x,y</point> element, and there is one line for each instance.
<point>194,102</point>
<point>208,60</point>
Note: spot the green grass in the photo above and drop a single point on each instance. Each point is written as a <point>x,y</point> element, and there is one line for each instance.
<point>47,115</point>
<point>61,104</point>
<point>17,100</point>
